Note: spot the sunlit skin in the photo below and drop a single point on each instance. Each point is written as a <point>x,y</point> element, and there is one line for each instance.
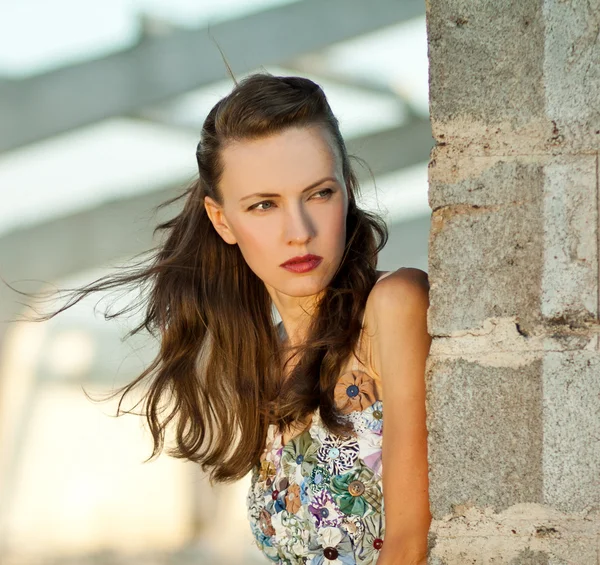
<point>292,222</point>
<point>305,213</point>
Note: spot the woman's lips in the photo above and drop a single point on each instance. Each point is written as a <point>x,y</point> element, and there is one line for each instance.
<point>303,265</point>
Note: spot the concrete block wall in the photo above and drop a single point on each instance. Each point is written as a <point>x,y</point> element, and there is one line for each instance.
<point>513,378</point>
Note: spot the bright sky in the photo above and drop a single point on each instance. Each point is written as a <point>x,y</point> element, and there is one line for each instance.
<point>37,35</point>
<point>62,175</point>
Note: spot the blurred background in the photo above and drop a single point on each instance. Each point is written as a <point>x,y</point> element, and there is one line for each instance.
<point>101,104</point>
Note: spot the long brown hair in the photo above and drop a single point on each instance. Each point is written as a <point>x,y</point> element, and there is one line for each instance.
<point>217,376</point>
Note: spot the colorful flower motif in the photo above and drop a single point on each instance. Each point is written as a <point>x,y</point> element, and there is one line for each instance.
<point>264,543</point>
<point>264,522</point>
<point>318,500</point>
<point>333,547</point>
<point>254,496</point>
<point>291,535</point>
<point>338,454</point>
<point>324,510</point>
<point>358,421</point>
<point>319,479</point>
<point>357,492</point>
<point>354,390</point>
<point>279,504</point>
<point>373,459</point>
<point>354,527</point>
<point>299,456</point>
<point>373,417</point>
<point>292,499</point>
<point>370,445</point>
<point>372,540</point>
<point>266,472</point>
<point>258,520</point>
<point>368,425</point>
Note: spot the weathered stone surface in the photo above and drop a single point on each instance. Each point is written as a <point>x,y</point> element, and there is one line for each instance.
<point>529,557</point>
<point>485,262</point>
<point>534,93</point>
<point>485,434</point>
<point>572,72</point>
<point>513,376</point>
<point>570,212</point>
<point>527,219</point>
<point>485,180</point>
<point>476,71</point>
<point>571,449</point>
<point>519,534</point>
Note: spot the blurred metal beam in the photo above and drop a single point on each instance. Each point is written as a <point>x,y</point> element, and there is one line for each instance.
<point>395,148</point>
<point>159,68</point>
<point>315,66</point>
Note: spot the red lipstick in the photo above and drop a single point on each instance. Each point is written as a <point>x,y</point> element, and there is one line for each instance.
<point>302,264</point>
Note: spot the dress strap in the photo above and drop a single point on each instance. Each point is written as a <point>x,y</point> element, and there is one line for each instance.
<point>362,325</point>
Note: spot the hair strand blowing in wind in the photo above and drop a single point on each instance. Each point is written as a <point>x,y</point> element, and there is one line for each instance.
<point>217,376</point>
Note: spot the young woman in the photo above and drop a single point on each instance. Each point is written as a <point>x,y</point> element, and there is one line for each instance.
<point>272,221</point>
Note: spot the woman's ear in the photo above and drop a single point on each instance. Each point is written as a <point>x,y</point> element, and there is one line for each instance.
<point>217,217</point>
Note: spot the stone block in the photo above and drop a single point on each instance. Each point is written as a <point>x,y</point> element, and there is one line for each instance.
<point>478,180</point>
<point>484,262</point>
<point>570,275</point>
<point>486,63</point>
<point>571,438</point>
<point>572,72</point>
<point>521,534</point>
<point>522,80</point>
<point>485,434</point>
<point>518,235</point>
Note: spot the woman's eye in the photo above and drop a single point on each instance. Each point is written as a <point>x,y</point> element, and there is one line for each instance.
<point>327,192</point>
<point>260,206</point>
<point>256,206</point>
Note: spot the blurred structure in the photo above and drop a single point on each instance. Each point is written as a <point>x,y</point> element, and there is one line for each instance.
<point>100,112</point>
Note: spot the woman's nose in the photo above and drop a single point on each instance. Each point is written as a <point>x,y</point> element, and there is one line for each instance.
<point>298,225</point>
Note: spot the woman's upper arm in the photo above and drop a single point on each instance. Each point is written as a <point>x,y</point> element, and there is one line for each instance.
<point>400,346</point>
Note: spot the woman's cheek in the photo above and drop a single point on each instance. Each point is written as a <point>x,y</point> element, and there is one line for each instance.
<point>256,241</point>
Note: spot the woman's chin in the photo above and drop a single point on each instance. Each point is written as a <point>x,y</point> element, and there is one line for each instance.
<point>300,286</point>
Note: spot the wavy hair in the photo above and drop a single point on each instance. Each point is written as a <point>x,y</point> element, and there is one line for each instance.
<point>217,375</point>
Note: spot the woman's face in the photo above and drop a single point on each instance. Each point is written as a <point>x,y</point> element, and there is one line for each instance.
<point>284,196</point>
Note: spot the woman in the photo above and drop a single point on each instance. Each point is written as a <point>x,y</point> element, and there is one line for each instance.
<point>272,221</point>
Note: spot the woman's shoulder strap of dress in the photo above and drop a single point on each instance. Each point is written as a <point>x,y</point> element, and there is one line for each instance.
<point>380,278</point>
<point>362,326</point>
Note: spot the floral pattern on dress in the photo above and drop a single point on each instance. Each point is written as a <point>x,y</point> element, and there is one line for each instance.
<point>373,417</point>
<point>299,456</point>
<point>293,501</point>
<point>372,539</point>
<point>320,478</point>
<point>354,527</point>
<point>355,390</point>
<point>338,454</point>
<point>369,427</point>
<point>357,492</point>
<point>324,510</point>
<point>318,500</point>
<point>291,536</point>
<point>333,548</point>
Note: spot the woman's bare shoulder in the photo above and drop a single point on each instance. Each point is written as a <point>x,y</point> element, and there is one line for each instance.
<point>392,285</point>
<point>396,318</point>
<point>404,290</point>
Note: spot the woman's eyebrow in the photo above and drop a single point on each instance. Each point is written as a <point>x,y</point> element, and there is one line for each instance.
<point>274,194</point>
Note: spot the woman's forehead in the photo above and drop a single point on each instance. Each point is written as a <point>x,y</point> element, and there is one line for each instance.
<point>288,160</point>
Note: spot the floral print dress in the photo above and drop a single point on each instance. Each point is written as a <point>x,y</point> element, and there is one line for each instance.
<point>318,500</point>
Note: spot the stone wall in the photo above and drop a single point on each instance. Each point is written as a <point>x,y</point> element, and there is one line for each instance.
<point>514,372</point>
